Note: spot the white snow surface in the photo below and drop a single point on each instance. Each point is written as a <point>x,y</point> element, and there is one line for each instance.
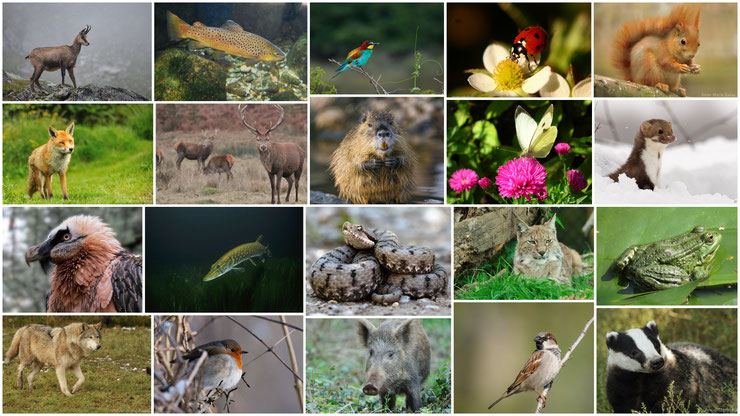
<point>703,174</point>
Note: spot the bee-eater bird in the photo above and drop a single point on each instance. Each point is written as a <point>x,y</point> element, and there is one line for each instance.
<point>357,57</point>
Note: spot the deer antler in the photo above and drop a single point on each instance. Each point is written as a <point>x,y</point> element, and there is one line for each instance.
<point>280,120</point>
<point>242,113</point>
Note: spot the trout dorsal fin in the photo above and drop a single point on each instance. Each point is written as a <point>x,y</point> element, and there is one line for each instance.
<point>259,239</point>
<point>232,26</point>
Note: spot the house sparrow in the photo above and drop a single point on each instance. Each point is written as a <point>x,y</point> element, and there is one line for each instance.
<point>539,371</point>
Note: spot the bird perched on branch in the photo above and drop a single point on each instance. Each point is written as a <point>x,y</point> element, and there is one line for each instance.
<point>539,371</point>
<point>357,57</point>
<point>222,368</point>
<point>93,272</point>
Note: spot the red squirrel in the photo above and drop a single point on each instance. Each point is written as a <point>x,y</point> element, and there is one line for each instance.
<point>644,163</point>
<point>657,50</point>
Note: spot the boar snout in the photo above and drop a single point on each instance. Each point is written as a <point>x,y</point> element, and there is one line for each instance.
<point>370,390</point>
<point>373,384</point>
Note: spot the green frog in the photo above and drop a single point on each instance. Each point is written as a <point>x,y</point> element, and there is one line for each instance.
<point>671,262</point>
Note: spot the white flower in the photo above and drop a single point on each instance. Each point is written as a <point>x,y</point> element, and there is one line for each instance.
<point>508,78</point>
<point>557,86</point>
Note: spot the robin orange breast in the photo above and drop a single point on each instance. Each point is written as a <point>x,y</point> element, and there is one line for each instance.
<point>222,368</point>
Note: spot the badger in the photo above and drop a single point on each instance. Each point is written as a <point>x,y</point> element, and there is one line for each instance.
<point>640,369</point>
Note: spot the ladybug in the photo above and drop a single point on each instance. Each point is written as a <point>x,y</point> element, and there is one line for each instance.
<point>528,45</point>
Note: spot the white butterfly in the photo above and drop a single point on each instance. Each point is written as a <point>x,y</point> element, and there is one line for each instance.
<point>535,139</point>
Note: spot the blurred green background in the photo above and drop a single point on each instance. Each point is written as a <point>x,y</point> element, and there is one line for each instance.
<point>472,27</point>
<point>647,225</point>
<point>335,368</point>
<point>717,54</point>
<point>493,342</point>
<point>481,135</point>
<point>338,28</point>
<point>715,328</point>
<point>112,161</point>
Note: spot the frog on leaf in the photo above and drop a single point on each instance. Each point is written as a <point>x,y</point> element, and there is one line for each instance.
<point>672,262</point>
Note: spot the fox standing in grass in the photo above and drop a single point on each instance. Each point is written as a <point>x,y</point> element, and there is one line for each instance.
<point>49,159</point>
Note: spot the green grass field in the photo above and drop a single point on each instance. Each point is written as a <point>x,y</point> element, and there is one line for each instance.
<point>480,284</point>
<point>112,162</point>
<point>335,385</point>
<point>116,378</point>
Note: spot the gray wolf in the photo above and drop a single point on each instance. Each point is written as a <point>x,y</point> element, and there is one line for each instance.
<point>64,348</point>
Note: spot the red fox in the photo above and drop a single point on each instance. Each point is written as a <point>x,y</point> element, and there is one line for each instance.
<point>49,159</point>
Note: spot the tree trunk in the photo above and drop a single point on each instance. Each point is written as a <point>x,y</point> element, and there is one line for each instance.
<point>478,238</point>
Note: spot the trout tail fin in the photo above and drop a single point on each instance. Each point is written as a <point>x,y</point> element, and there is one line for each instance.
<point>176,27</point>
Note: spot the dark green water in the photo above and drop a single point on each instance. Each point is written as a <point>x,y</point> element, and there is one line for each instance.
<point>183,243</point>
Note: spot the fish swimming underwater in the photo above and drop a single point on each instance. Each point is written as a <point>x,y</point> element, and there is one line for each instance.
<point>230,38</point>
<point>237,255</point>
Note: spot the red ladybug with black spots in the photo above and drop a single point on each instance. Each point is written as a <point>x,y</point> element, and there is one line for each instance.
<point>528,45</point>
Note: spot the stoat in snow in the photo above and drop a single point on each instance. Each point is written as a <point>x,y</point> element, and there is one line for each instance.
<point>644,163</point>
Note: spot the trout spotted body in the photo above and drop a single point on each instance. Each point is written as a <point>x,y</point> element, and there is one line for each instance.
<point>236,256</point>
<point>229,38</point>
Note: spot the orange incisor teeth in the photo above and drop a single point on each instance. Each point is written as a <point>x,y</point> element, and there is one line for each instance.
<point>384,146</point>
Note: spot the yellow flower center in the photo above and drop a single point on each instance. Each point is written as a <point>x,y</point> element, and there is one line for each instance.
<point>508,75</point>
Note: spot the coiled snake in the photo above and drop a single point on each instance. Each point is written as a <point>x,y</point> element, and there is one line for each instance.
<point>374,263</point>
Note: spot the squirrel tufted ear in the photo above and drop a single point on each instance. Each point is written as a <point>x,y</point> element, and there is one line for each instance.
<point>696,21</point>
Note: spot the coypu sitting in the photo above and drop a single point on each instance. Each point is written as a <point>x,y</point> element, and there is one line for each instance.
<point>373,163</point>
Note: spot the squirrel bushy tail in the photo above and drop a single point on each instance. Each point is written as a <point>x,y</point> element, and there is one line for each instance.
<point>632,32</point>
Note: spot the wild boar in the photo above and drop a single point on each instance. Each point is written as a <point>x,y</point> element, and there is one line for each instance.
<point>398,360</point>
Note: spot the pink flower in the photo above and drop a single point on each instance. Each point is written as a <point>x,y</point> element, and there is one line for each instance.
<point>542,195</point>
<point>562,148</point>
<point>463,179</point>
<point>524,176</point>
<point>576,180</point>
<point>484,182</point>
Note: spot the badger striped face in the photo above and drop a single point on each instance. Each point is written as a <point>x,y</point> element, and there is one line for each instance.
<point>638,349</point>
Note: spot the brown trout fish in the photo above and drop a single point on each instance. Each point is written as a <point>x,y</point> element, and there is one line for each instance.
<point>237,255</point>
<point>230,38</point>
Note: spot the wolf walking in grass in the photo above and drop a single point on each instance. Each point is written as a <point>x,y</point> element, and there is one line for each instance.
<point>64,348</point>
<point>50,159</point>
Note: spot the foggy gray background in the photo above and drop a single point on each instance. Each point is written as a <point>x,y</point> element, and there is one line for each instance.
<point>120,51</point>
<point>693,120</point>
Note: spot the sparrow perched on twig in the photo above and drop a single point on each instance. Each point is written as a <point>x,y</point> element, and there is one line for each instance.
<point>539,371</point>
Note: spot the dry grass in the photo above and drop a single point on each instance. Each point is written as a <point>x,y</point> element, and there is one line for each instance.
<point>250,185</point>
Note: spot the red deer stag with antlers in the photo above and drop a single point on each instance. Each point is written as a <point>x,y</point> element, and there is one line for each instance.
<point>52,58</point>
<point>279,159</point>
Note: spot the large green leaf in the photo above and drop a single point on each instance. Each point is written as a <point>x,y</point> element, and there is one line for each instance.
<point>619,228</point>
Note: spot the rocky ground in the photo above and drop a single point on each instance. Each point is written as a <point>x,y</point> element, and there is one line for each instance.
<point>19,90</point>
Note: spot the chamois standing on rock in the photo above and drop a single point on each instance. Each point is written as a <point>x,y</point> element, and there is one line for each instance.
<point>279,159</point>
<point>220,164</point>
<point>195,151</point>
<point>51,58</point>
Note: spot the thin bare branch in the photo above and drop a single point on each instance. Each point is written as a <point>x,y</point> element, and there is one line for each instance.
<point>269,348</point>
<point>376,83</point>
<point>275,321</point>
<point>294,363</point>
<point>566,357</point>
